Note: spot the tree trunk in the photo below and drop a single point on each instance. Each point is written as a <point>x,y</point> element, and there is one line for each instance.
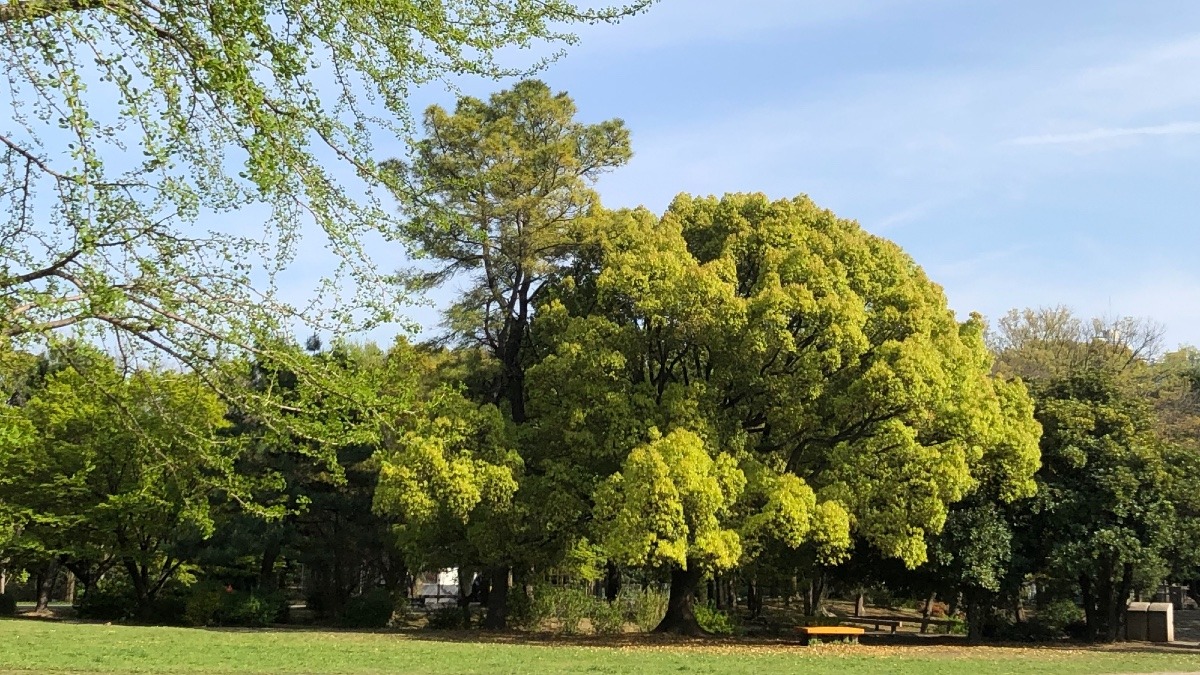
<point>860,604</point>
<point>680,618</point>
<point>754,601</point>
<point>3,581</point>
<point>814,598</point>
<point>927,612</point>
<point>45,586</point>
<point>978,611</point>
<point>1119,604</point>
<point>1089,605</point>
<point>1105,593</point>
<point>69,593</point>
<point>466,586</point>
<point>612,581</point>
<point>267,580</point>
<point>513,386</point>
<point>955,601</point>
<point>497,612</point>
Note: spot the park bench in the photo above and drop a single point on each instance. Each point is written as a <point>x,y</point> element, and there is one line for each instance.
<point>807,633</point>
<point>893,624</point>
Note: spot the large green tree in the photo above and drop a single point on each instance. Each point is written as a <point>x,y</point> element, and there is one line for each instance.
<point>502,190</point>
<point>1116,507</point>
<point>817,355</point>
<point>1104,508</point>
<point>120,470</point>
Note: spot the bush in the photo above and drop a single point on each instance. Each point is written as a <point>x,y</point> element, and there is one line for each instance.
<point>608,618</point>
<point>646,608</point>
<point>1059,614</point>
<point>882,596</point>
<point>447,618</point>
<point>8,605</point>
<point>956,626</point>
<point>204,603</point>
<point>714,620</point>
<point>570,606</point>
<point>526,612</point>
<point>1053,622</point>
<point>373,609</point>
<point>212,604</point>
<point>250,609</point>
<point>168,609</point>
<point>108,602</point>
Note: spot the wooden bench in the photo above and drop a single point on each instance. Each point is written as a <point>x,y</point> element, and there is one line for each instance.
<point>850,633</point>
<point>872,621</point>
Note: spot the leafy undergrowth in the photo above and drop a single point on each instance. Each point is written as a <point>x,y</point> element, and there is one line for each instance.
<point>60,647</point>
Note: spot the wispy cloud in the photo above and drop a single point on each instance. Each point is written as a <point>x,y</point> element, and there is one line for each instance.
<point>1109,133</point>
<point>698,22</point>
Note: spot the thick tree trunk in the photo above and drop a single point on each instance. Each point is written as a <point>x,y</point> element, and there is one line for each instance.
<point>860,604</point>
<point>1089,605</point>
<point>141,585</point>
<point>612,581</point>
<point>466,587</point>
<point>512,385</point>
<point>267,580</point>
<point>69,593</point>
<point>814,597</point>
<point>978,611</point>
<point>680,618</point>
<point>45,586</point>
<point>1119,604</point>
<point>497,612</point>
<point>754,601</point>
<point>927,612</point>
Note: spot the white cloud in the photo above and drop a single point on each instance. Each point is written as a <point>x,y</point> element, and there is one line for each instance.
<point>673,23</point>
<point>1103,134</point>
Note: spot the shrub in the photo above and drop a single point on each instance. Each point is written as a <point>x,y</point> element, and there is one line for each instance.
<point>1053,622</point>
<point>956,626</point>
<point>107,602</point>
<point>645,608</point>
<point>212,604</point>
<point>8,604</point>
<point>882,596</point>
<point>1059,614</point>
<point>204,603</point>
<point>373,609</point>
<point>250,609</point>
<point>714,620</point>
<point>570,607</point>
<point>527,612</point>
<point>447,618</point>
<point>168,609</point>
<point>607,617</point>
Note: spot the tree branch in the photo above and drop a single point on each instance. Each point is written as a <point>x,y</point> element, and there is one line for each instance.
<point>29,10</point>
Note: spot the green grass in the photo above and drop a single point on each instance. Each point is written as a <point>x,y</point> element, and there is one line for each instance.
<point>45,647</point>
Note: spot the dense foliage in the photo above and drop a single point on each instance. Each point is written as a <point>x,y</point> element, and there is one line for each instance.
<point>632,418</point>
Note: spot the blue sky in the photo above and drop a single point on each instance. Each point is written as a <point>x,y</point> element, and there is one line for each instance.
<point>1024,153</point>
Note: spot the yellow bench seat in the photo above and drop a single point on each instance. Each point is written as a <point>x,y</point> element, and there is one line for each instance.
<point>849,632</point>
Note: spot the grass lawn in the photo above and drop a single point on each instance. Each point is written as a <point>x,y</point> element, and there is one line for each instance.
<point>60,647</point>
